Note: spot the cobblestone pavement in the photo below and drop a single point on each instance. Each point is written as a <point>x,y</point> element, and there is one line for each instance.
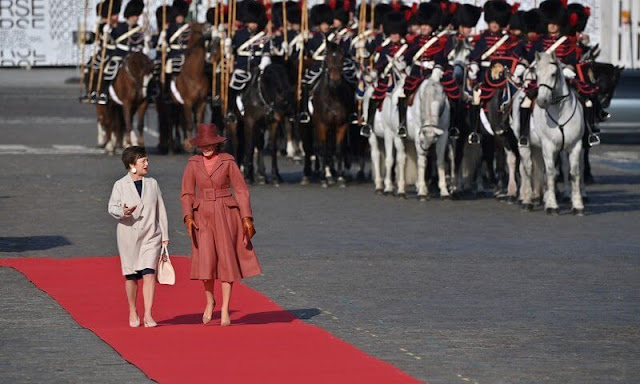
<point>470,291</point>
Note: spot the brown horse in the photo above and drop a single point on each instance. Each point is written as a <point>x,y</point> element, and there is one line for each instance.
<point>127,96</point>
<point>192,86</point>
<point>332,102</point>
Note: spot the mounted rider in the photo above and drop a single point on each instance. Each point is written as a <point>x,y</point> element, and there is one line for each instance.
<point>426,56</point>
<point>322,19</point>
<point>250,47</point>
<point>390,57</point>
<point>342,12</point>
<point>278,47</point>
<point>105,41</point>
<point>497,52</point>
<point>177,40</point>
<point>102,16</point>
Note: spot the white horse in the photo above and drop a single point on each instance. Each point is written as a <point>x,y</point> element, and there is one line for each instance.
<point>428,124</point>
<point>556,125</point>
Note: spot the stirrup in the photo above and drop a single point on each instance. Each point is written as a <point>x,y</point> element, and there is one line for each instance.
<point>365,130</point>
<point>93,98</point>
<point>305,117</point>
<point>523,142</point>
<point>604,116</point>
<point>402,132</point>
<point>102,99</point>
<point>594,140</point>
<point>354,119</point>
<point>454,133</point>
<point>83,99</point>
<point>474,138</point>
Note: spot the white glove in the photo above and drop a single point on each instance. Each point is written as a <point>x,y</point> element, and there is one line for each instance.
<point>285,46</point>
<point>568,73</point>
<point>227,42</point>
<point>306,35</point>
<point>436,74</point>
<point>473,71</point>
<point>371,76</point>
<point>362,52</point>
<point>399,64</point>
<point>520,68</point>
<point>264,62</point>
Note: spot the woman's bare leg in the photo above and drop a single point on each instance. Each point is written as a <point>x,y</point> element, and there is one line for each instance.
<point>208,292</point>
<point>226,297</point>
<point>131,287</point>
<point>148,290</point>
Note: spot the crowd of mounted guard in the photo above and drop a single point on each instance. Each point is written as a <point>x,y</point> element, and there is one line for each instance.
<point>416,88</point>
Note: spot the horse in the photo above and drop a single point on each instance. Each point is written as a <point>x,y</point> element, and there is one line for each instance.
<point>192,86</point>
<point>129,90</point>
<point>428,121</point>
<point>332,103</point>
<point>557,125</point>
<point>267,100</point>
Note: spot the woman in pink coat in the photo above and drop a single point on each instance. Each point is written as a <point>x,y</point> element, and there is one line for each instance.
<point>220,225</point>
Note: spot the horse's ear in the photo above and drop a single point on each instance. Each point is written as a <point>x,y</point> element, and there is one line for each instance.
<point>537,56</point>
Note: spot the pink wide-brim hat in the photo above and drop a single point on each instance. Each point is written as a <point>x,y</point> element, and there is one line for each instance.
<point>207,135</point>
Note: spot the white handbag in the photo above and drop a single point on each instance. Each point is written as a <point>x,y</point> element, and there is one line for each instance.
<point>165,273</point>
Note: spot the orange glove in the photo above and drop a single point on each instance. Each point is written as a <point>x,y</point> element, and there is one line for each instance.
<point>247,225</point>
<point>191,226</point>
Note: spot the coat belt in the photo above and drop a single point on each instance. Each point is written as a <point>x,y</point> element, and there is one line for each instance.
<point>211,194</point>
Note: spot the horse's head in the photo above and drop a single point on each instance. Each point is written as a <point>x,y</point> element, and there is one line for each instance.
<point>196,34</point>
<point>550,78</point>
<point>607,77</point>
<point>460,54</point>
<point>276,89</point>
<point>333,62</point>
<point>214,49</point>
<point>432,105</point>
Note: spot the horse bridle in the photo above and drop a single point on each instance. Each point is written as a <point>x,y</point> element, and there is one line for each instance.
<point>269,106</point>
<point>552,88</point>
<point>558,101</point>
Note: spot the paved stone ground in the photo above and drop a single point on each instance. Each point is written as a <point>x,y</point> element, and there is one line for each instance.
<point>460,291</point>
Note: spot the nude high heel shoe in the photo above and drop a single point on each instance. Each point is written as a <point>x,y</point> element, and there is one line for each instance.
<point>135,324</point>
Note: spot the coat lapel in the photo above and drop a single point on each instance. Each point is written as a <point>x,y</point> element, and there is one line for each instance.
<point>131,187</point>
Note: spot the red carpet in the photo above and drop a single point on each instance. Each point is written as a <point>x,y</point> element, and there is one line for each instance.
<point>265,343</point>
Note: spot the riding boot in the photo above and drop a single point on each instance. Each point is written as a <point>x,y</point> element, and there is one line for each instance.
<point>474,118</point>
<point>102,94</point>
<point>305,118</point>
<point>231,117</point>
<point>454,121</point>
<point>525,117</point>
<point>402,115</point>
<point>601,114</point>
<point>592,131</point>
<point>166,89</point>
<point>367,128</point>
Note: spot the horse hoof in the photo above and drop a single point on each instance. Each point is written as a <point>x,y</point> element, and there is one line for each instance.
<point>528,207</point>
<point>387,193</point>
<point>331,181</point>
<point>553,211</point>
<point>445,197</point>
<point>512,200</point>
<point>402,196</point>
<point>423,198</point>
<point>325,184</point>
<point>379,192</point>
<point>276,184</point>
<point>578,211</point>
<point>305,181</point>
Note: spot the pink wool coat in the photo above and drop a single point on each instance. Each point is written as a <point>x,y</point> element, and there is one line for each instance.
<point>220,249</point>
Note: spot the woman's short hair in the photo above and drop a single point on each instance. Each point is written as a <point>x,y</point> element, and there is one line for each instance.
<point>132,154</point>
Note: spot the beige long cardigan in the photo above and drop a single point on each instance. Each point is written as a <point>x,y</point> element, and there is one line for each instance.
<point>139,235</point>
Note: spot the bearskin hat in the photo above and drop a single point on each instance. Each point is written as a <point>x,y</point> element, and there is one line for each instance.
<point>253,12</point>
<point>341,9</point>
<point>554,12</point>
<point>294,13</point>
<point>181,7</point>
<point>380,10</point>
<point>367,12</point>
<point>394,22</point>
<point>534,21</point>
<point>498,11</point>
<point>467,15</point>
<point>171,16</point>
<point>516,21</point>
<point>578,17</point>
<point>430,14</point>
<point>448,11</point>
<point>321,13</point>
<point>133,8</point>
<point>115,8</point>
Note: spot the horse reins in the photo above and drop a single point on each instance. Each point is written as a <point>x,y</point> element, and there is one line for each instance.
<point>555,101</point>
<point>270,106</point>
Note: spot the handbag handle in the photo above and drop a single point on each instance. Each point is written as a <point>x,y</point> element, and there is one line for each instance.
<point>164,253</point>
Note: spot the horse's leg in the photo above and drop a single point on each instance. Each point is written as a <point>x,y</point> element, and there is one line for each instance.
<point>187,110</point>
<point>388,160</point>
<point>141,112</point>
<point>441,152</point>
<point>307,145</point>
<point>550,203</point>
<point>248,149</point>
<point>401,161</point>
<point>566,184</point>
<point>288,129</point>
<point>526,176</point>
<point>275,172</point>
<point>421,184</point>
<point>512,185</point>
<point>200,109</point>
<point>538,175</point>
<point>341,152</point>
<point>259,147</point>
<point>577,206</point>
<point>500,162</point>
<point>375,163</point>
<point>127,114</point>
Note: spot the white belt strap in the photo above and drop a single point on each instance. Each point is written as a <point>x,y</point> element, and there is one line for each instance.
<point>428,45</point>
<point>495,47</point>
<point>555,45</point>
<point>178,33</point>
<point>128,34</point>
<point>242,50</point>
<point>319,53</point>
<point>395,57</point>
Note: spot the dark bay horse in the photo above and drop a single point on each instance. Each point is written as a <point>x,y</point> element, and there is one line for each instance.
<point>192,86</point>
<point>267,100</point>
<point>332,104</point>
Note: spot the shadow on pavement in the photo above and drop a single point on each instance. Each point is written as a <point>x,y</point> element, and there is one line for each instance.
<point>32,243</point>
<point>251,318</point>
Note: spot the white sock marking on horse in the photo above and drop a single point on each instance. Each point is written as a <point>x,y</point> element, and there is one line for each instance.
<point>176,93</point>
